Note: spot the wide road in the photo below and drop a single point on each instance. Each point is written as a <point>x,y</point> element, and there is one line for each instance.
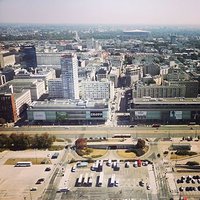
<point>107,131</point>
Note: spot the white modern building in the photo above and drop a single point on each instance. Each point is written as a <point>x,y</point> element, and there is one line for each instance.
<point>36,86</point>
<point>55,88</point>
<point>22,101</point>
<point>48,58</point>
<point>69,73</point>
<point>97,90</point>
<point>45,75</point>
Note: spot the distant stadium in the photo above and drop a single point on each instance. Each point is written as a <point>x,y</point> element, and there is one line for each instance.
<point>136,34</point>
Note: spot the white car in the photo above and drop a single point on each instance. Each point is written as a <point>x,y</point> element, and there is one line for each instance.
<point>148,187</point>
<point>116,183</point>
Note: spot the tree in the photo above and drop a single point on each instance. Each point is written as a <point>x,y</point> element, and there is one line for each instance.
<point>2,121</point>
<point>81,143</point>
<point>19,142</point>
<point>3,140</point>
<point>43,141</point>
<point>140,144</point>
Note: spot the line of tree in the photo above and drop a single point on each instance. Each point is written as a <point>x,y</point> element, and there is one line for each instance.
<point>22,141</point>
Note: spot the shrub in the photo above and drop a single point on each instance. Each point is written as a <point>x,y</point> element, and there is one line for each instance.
<point>192,163</point>
<point>185,153</point>
<point>165,152</point>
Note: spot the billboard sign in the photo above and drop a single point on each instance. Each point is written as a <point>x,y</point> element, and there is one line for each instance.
<point>60,116</point>
<point>141,113</point>
<point>39,116</point>
<point>176,115</point>
<point>96,114</point>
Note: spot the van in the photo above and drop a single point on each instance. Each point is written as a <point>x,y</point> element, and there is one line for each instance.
<point>33,189</point>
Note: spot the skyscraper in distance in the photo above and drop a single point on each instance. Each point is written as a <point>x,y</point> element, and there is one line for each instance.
<point>28,56</point>
<point>69,75</point>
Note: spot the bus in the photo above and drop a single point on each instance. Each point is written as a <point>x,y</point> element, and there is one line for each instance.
<point>23,164</point>
<point>101,165</point>
<point>100,179</point>
<point>90,179</point>
<point>96,165</point>
<point>112,180</point>
<point>85,182</point>
<point>80,179</point>
<point>122,136</point>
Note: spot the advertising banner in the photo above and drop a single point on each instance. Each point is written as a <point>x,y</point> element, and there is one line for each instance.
<point>39,116</point>
<point>96,114</point>
<point>176,115</point>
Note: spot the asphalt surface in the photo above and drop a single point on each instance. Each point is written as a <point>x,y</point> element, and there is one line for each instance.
<point>107,131</point>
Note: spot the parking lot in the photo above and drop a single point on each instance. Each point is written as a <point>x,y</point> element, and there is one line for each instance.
<point>188,184</point>
<point>24,182</point>
<point>121,182</point>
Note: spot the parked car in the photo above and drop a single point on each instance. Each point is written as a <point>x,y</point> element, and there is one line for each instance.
<point>47,169</point>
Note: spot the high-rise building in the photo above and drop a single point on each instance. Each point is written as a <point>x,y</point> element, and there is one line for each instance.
<point>7,107</point>
<point>28,56</point>
<point>69,76</point>
<point>97,90</point>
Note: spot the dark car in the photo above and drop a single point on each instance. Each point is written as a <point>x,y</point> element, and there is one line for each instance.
<point>47,169</point>
<point>41,179</point>
<point>38,182</point>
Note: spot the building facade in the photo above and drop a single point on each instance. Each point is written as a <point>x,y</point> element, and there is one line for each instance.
<point>69,73</point>
<point>157,91</point>
<point>167,111</point>
<point>8,108</point>
<point>28,56</point>
<point>97,90</point>
<point>68,111</point>
<point>55,88</point>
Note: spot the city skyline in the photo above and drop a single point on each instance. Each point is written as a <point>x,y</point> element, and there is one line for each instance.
<point>154,12</point>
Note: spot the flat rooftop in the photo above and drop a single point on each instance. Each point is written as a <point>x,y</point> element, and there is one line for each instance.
<point>68,104</point>
<point>166,100</point>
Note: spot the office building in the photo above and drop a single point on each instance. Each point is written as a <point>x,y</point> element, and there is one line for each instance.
<point>45,75</point>
<point>2,79</point>
<point>48,58</point>
<point>15,100</point>
<point>7,58</point>
<point>7,107</point>
<point>36,86</point>
<point>159,91</point>
<point>55,88</point>
<point>28,56</point>
<point>114,76</point>
<point>69,76</point>
<point>96,90</point>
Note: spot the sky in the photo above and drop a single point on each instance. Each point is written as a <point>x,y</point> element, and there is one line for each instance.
<point>148,12</point>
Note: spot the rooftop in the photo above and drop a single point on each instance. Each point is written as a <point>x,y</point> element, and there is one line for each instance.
<point>149,100</point>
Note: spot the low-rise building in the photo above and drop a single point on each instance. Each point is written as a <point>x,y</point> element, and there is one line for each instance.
<point>165,110</point>
<point>68,111</point>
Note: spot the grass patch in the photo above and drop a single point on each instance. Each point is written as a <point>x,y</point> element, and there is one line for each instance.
<point>35,161</point>
<point>60,140</point>
<point>126,154</point>
<point>91,153</point>
<point>56,148</point>
<point>177,157</point>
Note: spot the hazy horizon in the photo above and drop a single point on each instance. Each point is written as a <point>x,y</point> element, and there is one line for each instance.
<point>112,12</point>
